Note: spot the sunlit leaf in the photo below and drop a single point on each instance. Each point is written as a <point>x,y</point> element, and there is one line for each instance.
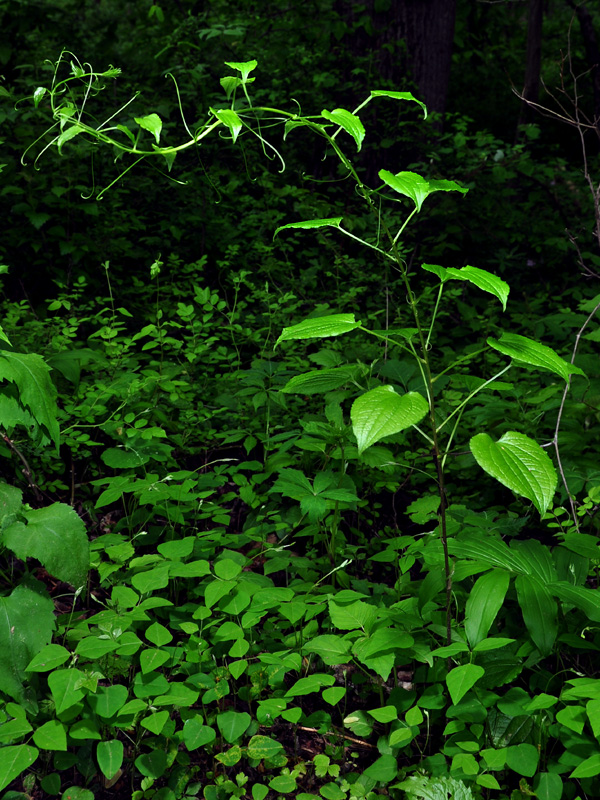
<point>332,222</point>
<point>399,96</point>
<point>230,119</point>
<point>518,463</point>
<point>382,412</point>
<point>151,123</point>
<point>528,351</point>
<point>319,327</point>
<point>412,185</point>
<point>348,122</point>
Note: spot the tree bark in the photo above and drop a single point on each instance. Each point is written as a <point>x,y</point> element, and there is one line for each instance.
<point>533,60</point>
<point>592,53</point>
<point>407,38</point>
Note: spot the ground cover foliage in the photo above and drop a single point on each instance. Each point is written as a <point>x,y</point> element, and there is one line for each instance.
<point>299,497</point>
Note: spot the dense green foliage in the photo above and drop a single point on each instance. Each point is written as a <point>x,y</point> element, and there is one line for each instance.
<point>288,508</point>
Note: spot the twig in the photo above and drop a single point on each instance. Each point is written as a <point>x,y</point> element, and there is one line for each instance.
<point>26,468</point>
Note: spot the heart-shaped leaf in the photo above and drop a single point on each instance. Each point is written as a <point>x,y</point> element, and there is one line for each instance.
<point>412,185</point>
<point>381,412</point>
<point>518,463</point>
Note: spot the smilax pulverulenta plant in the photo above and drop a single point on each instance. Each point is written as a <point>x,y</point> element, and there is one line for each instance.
<point>516,460</point>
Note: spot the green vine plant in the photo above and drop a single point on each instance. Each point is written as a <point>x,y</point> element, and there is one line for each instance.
<point>515,460</point>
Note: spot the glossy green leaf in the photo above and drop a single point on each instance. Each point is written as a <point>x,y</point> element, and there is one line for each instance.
<point>528,351</point>
<point>310,684</point>
<point>481,278</point>
<point>353,615</point>
<point>319,327</point>
<point>548,786</point>
<point>155,722</point>
<point>483,604</point>
<point>108,700</point>
<point>381,412</point>
<point>348,122</point>
<point>65,686</point>
<point>518,463</point>
<point>461,679</point>
<point>333,695</point>
<point>588,768</point>
<point>52,735</point>
<point>588,600</point>
<point>384,769</point>
<point>523,759</point>
<point>331,222</point>
<point>319,381</point>
<point>151,123</point>
<point>331,649</point>
<point>539,611</point>
<point>399,96</point>
<point>68,133</point>
<point>152,764</point>
<point>15,760</point>
<point>233,724</point>
<point>57,537</point>
<point>263,747</point>
<point>109,755</point>
<point>384,714</point>
<point>196,734</point>
<point>245,67</point>
<point>416,187</point>
<point>49,657</point>
<point>26,626</point>
<point>230,119</point>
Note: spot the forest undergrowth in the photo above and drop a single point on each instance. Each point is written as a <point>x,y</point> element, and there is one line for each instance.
<point>312,518</point>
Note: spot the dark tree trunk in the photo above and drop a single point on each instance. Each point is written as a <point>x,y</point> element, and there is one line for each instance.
<point>427,28</point>
<point>408,38</point>
<point>592,53</point>
<point>533,59</point>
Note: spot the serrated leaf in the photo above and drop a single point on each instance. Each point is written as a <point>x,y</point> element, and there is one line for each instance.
<point>56,536</point>
<point>483,604</point>
<point>417,188</point>
<point>528,351</point>
<point>461,679</point>
<point>332,222</point>
<point>36,391</point>
<point>518,463</point>
<point>319,327</point>
<point>319,381</point>
<point>151,123</point>
<point>230,119</point>
<point>348,122</point>
<point>382,412</point>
